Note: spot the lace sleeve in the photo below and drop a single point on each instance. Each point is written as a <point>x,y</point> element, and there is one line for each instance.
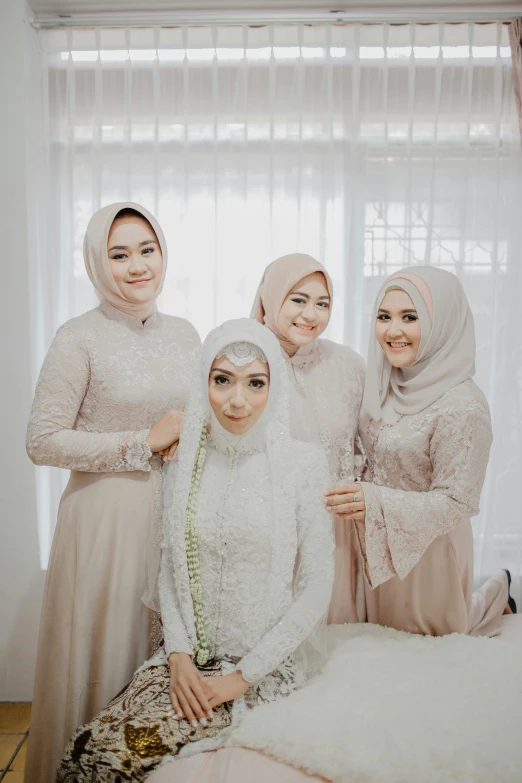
<point>176,639</point>
<point>313,586</point>
<point>174,631</point>
<point>51,437</point>
<point>400,525</point>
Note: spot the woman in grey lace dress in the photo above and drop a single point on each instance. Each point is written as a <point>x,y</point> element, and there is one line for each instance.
<point>426,430</point>
<point>295,301</point>
<point>105,409</point>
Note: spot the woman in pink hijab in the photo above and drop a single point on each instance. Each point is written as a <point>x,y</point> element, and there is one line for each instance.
<point>295,300</point>
<point>106,408</point>
<point>426,431</point>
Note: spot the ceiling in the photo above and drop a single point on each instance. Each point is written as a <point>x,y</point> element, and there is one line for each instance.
<point>72,7</point>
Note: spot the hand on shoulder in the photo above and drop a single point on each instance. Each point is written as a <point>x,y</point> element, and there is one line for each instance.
<point>164,434</point>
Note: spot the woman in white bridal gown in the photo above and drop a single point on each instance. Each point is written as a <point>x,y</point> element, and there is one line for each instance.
<point>246,569</point>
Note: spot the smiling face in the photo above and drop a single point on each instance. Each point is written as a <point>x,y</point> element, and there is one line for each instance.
<point>238,395</point>
<point>135,258</point>
<point>398,328</point>
<point>305,311</point>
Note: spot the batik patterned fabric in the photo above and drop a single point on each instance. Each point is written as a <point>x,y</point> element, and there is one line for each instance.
<point>129,739</point>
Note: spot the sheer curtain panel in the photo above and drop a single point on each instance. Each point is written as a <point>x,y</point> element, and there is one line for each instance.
<point>369,146</point>
<point>515,37</point>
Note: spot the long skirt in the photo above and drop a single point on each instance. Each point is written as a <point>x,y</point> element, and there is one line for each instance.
<point>347,604</point>
<point>95,630</point>
<point>133,735</point>
<point>437,596</point>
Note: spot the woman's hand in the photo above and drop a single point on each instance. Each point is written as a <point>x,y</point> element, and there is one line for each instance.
<point>226,687</point>
<point>170,453</point>
<point>346,501</point>
<point>165,433</point>
<point>189,692</point>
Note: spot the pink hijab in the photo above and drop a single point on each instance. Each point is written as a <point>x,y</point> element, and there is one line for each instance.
<point>97,260</point>
<point>279,278</point>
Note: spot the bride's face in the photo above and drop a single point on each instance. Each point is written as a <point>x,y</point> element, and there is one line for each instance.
<point>238,395</point>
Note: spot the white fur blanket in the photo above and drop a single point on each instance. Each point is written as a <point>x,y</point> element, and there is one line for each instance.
<point>392,707</point>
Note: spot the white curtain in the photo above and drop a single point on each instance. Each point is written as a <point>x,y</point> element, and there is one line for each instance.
<point>371,147</point>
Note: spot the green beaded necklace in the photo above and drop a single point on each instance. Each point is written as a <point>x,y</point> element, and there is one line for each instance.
<point>202,652</point>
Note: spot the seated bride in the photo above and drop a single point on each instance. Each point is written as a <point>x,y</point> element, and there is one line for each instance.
<point>246,570</point>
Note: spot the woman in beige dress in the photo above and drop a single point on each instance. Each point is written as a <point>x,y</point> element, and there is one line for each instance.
<point>105,408</point>
<point>295,300</point>
<point>426,431</point>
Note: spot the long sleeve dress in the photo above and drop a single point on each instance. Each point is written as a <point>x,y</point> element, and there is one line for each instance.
<point>106,380</point>
<point>423,483</point>
<point>258,607</point>
<point>327,383</point>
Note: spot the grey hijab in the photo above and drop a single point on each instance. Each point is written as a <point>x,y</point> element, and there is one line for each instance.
<point>446,355</point>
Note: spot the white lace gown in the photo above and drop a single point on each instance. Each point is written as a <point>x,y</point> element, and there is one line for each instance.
<point>106,379</point>
<point>327,382</point>
<point>258,608</point>
<point>421,486</point>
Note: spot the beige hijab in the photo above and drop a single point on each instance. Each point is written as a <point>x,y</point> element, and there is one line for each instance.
<point>279,278</point>
<point>446,355</point>
<point>97,260</point>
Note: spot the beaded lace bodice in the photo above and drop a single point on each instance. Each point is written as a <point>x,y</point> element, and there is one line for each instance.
<point>106,379</point>
<point>244,618</point>
<point>424,478</point>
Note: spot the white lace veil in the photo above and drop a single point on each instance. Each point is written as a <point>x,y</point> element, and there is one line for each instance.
<point>272,426</point>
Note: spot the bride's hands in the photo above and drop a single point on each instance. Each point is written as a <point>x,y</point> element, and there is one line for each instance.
<point>194,696</point>
<point>189,692</point>
<point>346,501</point>
<point>164,435</point>
<point>226,687</point>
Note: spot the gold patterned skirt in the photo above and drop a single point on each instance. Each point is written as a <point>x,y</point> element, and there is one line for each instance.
<point>130,737</point>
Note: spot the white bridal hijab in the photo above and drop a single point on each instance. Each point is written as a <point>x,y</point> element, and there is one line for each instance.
<point>446,355</point>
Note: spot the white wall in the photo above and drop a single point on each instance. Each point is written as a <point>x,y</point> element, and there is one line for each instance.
<point>21,578</point>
